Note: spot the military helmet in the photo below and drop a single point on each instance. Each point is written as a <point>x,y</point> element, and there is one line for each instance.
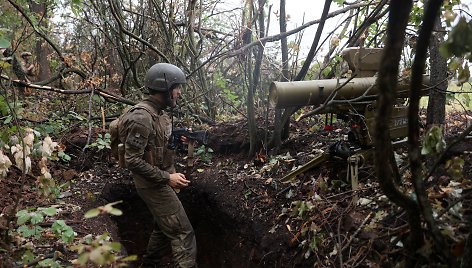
<point>161,77</point>
<point>25,54</point>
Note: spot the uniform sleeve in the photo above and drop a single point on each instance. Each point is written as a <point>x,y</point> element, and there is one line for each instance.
<point>135,144</point>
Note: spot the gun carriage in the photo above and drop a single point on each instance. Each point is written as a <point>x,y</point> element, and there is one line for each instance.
<point>351,99</point>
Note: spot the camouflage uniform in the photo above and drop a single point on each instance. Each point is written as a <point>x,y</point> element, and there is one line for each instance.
<point>145,130</point>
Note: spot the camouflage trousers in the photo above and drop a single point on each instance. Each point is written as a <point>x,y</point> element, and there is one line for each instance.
<point>172,230</point>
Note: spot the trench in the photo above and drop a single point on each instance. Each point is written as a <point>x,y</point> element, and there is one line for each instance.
<point>222,241</point>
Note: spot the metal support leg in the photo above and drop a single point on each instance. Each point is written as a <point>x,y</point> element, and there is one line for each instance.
<point>353,174</point>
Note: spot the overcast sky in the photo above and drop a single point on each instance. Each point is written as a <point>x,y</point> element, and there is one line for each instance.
<point>302,11</point>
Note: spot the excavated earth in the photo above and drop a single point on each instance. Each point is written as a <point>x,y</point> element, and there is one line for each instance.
<point>230,211</point>
<point>236,204</point>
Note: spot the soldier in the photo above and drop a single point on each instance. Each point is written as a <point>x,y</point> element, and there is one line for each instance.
<point>28,67</point>
<point>144,130</point>
<point>28,70</point>
<point>22,68</point>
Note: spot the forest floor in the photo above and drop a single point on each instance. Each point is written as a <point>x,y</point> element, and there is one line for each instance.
<point>243,214</point>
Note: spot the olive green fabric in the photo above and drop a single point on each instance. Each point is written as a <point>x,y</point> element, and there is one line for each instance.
<point>172,230</point>
<point>144,130</point>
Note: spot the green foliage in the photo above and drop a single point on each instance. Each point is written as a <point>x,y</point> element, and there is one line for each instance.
<point>455,167</point>
<point>60,228</point>
<point>459,44</point>
<point>231,97</point>
<point>416,16</point>
<point>30,231</point>
<point>327,71</point>
<point>107,209</point>
<point>333,69</point>
<point>23,216</point>
<point>466,99</point>
<point>463,74</point>
<point>49,263</point>
<point>4,65</point>
<point>8,20</point>
<point>300,208</point>
<point>102,142</point>
<point>6,132</point>
<point>313,238</point>
<point>310,233</point>
<point>28,257</point>
<point>7,108</point>
<point>463,97</point>
<point>58,123</point>
<point>449,5</point>
<point>4,42</point>
<point>28,222</point>
<point>228,94</point>
<point>63,156</point>
<point>76,7</point>
<point>100,251</point>
<point>205,154</point>
<point>47,187</point>
<point>433,142</point>
<point>51,127</point>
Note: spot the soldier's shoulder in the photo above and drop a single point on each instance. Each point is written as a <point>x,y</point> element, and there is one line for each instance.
<point>138,115</point>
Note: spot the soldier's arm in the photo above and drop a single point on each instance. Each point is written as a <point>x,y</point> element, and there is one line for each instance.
<point>135,144</point>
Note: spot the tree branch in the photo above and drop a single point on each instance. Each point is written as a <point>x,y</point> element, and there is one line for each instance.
<point>278,37</point>
<point>130,34</point>
<point>104,94</point>
<point>414,152</point>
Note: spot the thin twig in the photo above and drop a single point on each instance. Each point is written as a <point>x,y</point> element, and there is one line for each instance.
<point>364,222</point>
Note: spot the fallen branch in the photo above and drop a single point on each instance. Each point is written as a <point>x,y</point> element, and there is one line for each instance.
<point>104,94</point>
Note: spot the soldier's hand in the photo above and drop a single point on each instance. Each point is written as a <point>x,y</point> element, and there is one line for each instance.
<point>178,181</point>
<point>184,139</point>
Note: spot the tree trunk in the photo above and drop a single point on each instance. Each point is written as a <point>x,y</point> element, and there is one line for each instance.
<point>436,111</point>
<point>417,170</point>
<point>387,83</point>
<point>276,141</point>
<point>42,50</point>
<point>251,82</point>
<point>194,58</point>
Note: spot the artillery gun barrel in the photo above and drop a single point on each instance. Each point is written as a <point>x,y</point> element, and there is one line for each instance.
<point>315,92</point>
